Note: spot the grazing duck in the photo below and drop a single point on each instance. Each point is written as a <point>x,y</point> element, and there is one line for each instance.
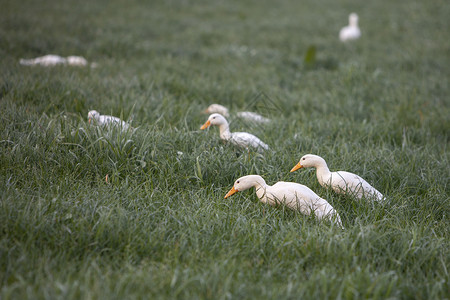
<point>104,120</point>
<point>295,196</point>
<point>341,182</point>
<point>352,31</point>
<point>241,139</point>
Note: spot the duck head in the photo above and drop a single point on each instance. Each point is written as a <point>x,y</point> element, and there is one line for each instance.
<point>214,119</point>
<point>244,183</point>
<point>307,161</point>
<point>93,114</point>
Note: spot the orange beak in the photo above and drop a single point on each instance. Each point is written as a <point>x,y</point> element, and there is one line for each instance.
<point>90,120</point>
<point>296,167</point>
<point>231,192</point>
<point>206,125</point>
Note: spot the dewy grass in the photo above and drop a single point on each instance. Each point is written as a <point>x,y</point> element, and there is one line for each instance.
<point>92,212</point>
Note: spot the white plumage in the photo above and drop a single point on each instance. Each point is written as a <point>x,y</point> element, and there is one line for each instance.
<point>217,108</point>
<point>295,196</point>
<point>104,120</point>
<point>241,139</point>
<point>352,31</point>
<point>53,60</point>
<point>341,181</point>
<point>245,115</point>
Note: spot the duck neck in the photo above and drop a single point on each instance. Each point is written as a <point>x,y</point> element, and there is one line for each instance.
<point>323,173</point>
<point>225,133</point>
<point>260,187</point>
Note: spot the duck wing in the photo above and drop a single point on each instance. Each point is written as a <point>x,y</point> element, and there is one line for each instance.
<point>244,139</point>
<point>346,182</point>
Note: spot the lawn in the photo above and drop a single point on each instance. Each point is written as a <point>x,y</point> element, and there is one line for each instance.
<point>159,227</point>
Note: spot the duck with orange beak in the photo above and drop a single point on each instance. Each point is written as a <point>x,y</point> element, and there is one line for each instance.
<point>341,182</point>
<point>294,195</point>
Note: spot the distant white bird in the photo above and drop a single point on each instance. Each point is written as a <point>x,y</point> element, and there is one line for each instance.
<point>295,196</point>
<point>53,60</point>
<point>241,139</point>
<point>341,182</point>
<point>46,60</point>
<point>104,120</point>
<point>217,108</point>
<point>352,31</point>
<point>246,115</point>
<point>76,61</point>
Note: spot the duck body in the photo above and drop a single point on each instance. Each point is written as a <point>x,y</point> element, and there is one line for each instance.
<point>46,60</point>
<point>105,120</point>
<point>240,139</point>
<point>294,195</point>
<point>53,60</point>
<point>341,182</point>
<point>252,117</point>
<point>217,109</point>
<point>245,115</point>
<point>352,31</point>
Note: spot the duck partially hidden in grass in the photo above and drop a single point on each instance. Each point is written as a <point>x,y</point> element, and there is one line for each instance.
<point>295,196</point>
<point>241,139</point>
<point>341,182</point>
<point>53,60</point>
<point>352,31</point>
<point>245,115</point>
<point>104,120</point>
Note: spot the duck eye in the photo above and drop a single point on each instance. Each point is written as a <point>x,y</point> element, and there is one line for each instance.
<point>214,117</point>
<point>304,158</point>
<point>237,181</point>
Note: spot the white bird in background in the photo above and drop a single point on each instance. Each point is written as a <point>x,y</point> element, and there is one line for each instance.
<point>352,31</point>
<point>217,108</point>
<point>295,196</point>
<point>341,182</point>
<point>53,60</point>
<point>246,115</point>
<point>241,139</point>
<point>104,120</point>
<point>76,61</point>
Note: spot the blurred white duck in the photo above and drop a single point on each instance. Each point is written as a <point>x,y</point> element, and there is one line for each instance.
<point>53,60</point>
<point>295,196</point>
<point>352,31</point>
<point>107,120</point>
<point>242,139</point>
<point>246,115</point>
<point>341,182</point>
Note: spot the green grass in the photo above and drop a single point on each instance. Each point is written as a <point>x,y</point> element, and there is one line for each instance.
<point>160,228</point>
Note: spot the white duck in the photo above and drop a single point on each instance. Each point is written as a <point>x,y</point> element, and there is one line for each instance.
<point>217,108</point>
<point>295,196</point>
<point>107,120</point>
<point>53,60</point>
<point>341,182</point>
<point>352,31</point>
<point>246,115</point>
<point>241,139</point>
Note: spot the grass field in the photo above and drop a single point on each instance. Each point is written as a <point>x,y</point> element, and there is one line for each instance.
<point>160,228</point>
